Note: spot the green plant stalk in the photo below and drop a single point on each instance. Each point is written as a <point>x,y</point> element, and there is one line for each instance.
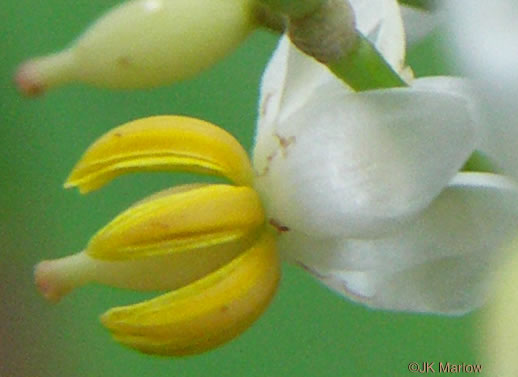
<point>358,64</point>
<point>420,4</point>
<point>364,68</point>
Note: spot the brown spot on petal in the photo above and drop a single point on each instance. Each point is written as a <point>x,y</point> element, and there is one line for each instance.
<point>278,226</point>
<point>285,142</point>
<point>266,170</point>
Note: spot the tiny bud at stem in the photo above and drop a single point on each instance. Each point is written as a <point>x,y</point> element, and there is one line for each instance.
<point>269,19</point>
<point>327,34</point>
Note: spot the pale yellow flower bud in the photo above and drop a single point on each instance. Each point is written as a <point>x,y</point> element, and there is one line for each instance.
<point>145,43</point>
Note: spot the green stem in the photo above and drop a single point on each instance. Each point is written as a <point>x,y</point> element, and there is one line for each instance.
<point>348,54</point>
<point>364,68</point>
<point>421,4</point>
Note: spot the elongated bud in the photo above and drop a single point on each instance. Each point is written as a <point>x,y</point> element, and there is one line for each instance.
<point>145,43</point>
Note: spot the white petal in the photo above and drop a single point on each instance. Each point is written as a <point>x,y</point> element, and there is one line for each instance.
<point>451,286</point>
<point>484,42</point>
<point>381,22</point>
<point>466,89</point>
<point>501,131</point>
<point>292,77</point>
<point>288,81</point>
<point>358,164</point>
<point>319,256</point>
<point>419,23</point>
<point>494,112</point>
<point>442,262</point>
<point>484,35</point>
<point>447,84</point>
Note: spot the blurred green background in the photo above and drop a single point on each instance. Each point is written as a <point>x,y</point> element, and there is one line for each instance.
<point>308,330</point>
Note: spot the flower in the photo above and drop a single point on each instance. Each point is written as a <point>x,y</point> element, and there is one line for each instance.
<point>362,190</point>
<point>209,244</point>
<point>372,188</point>
<point>217,246</point>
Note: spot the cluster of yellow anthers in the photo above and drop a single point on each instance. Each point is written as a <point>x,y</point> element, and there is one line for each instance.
<point>208,243</point>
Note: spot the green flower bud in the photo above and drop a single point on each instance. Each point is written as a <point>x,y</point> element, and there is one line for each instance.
<point>145,43</point>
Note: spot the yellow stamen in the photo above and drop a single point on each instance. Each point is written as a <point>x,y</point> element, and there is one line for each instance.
<point>162,143</point>
<point>205,314</point>
<point>207,242</point>
<point>182,220</point>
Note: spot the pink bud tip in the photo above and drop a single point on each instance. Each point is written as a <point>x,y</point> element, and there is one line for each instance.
<point>27,80</point>
<point>48,282</point>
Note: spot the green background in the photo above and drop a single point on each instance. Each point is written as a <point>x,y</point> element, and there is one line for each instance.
<point>307,331</point>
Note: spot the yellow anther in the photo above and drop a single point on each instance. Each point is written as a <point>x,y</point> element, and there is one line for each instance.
<point>162,143</point>
<point>180,220</point>
<point>205,314</point>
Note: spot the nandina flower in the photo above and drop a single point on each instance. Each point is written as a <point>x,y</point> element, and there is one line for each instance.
<point>363,190</point>
<point>217,246</point>
<point>209,244</point>
<point>212,245</point>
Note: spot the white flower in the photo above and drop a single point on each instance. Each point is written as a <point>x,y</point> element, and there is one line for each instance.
<point>365,187</point>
